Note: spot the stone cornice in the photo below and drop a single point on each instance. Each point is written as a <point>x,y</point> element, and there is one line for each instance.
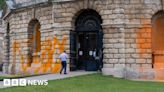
<point>36,2</point>
<point>30,3</point>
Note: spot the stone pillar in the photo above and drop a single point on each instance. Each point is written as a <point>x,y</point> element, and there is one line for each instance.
<point>114,51</point>
<point>6,55</point>
<point>61,33</point>
<point>5,50</point>
<point>1,45</point>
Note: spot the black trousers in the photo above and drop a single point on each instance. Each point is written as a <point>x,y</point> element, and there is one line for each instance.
<point>64,66</point>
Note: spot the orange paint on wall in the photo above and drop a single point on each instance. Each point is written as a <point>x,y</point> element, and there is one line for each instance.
<point>141,41</point>
<point>158,42</point>
<point>152,38</point>
<point>44,59</point>
<point>17,51</point>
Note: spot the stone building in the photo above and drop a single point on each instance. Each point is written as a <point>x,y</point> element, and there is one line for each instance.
<point>124,37</point>
<point>1,41</point>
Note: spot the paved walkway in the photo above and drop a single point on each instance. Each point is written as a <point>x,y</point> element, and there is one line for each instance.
<point>1,73</point>
<point>53,76</point>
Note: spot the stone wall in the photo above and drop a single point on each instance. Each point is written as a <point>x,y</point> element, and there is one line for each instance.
<point>127,32</point>
<point>19,23</point>
<point>126,27</point>
<point>1,45</point>
<point>130,40</point>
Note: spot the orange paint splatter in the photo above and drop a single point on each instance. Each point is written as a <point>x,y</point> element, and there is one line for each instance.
<point>148,38</point>
<point>43,62</point>
<point>158,43</point>
<point>143,40</point>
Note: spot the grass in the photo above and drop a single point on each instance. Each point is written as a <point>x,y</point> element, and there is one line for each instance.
<point>92,83</point>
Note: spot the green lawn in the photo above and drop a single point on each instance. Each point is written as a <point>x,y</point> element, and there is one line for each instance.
<point>92,83</point>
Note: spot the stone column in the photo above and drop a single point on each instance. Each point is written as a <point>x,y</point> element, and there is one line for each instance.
<point>1,45</point>
<point>5,50</point>
<point>114,51</point>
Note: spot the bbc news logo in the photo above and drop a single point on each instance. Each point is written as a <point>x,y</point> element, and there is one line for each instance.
<point>24,82</point>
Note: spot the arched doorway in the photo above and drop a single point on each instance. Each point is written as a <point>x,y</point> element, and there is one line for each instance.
<point>158,40</point>
<point>86,42</point>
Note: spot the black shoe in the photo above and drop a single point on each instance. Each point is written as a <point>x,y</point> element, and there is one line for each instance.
<point>65,73</point>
